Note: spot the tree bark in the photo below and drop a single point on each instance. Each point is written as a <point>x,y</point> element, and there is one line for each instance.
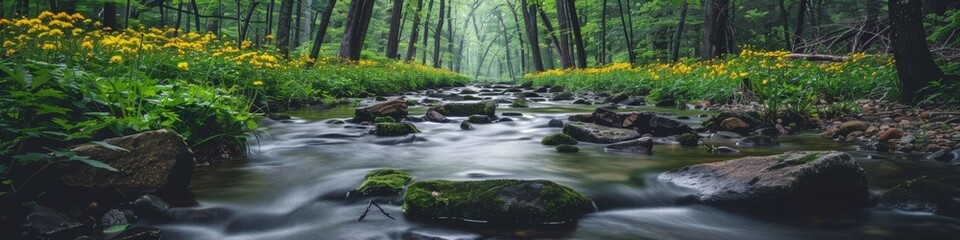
<point>283,27</point>
<point>530,22</point>
<point>414,33</point>
<point>306,24</point>
<point>626,34</point>
<point>602,59</point>
<point>270,17</point>
<point>679,34</point>
<point>798,31</point>
<point>450,34</point>
<point>437,34</point>
<point>550,30</point>
<point>426,33</point>
<point>358,20</point>
<point>716,30</point>
<point>915,66</point>
<point>110,16</point>
<point>571,9</point>
<point>322,29</point>
<point>196,14</point>
<point>393,38</point>
<point>179,16</point>
<point>246,21</point>
<point>785,19</point>
<point>566,55</point>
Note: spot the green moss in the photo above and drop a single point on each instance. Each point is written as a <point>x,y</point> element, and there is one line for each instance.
<point>484,200</point>
<point>394,129</point>
<point>689,139</point>
<point>785,162</point>
<point>519,103</point>
<point>567,148</point>
<point>384,182</point>
<point>488,108</point>
<point>384,119</point>
<point>412,102</point>
<point>559,139</point>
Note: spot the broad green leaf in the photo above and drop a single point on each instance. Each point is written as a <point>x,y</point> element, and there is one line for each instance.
<point>31,157</point>
<point>110,146</point>
<point>93,163</point>
<point>116,228</point>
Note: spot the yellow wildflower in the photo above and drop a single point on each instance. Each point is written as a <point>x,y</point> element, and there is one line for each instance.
<point>87,45</point>
<point>183,66</point>
<point>8,43</point>
<point>116,59</point>
<point>48,47</point>
<point>258,83</point>
<point>10,52</point>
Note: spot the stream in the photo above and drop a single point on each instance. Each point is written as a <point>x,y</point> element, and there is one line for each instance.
<point>294,183</point>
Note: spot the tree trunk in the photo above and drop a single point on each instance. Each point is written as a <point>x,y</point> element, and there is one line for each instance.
<point>602,59</point>
<point>798,31</point>
<point>450,34</point>
<point>246,21</point>
<point>679,34</point>
<point>426,33</point>
<point>626,34</point>
<point>577,36</point>
<point>716,30</point>
<point>306,24</point>
<point>785,19</point>
<point>110,16</point>
<point>270,17</point>
<point>550,30</point>
<point>437,34</point>
<point>322,29</point>
<point>393,38</point>
<point>522,46</point>
<point>506,45</point>
<point>566,57</point>
<point>412,46</point>
<point>871,27</point>
<point>358,20</point>
<point>196,14</point>
<point>530,22</point>
<point>283,27</point>
<point>915,66</point>
<point>179,16</point>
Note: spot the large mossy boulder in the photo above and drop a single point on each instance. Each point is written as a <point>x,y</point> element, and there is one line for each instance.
<point>923,194</point>
<point>155,162</point>
<point>558,139</point>
<point>817,182</point>
<point>396,108</point>
<point>488,108</point>
<point>384,182</point>
<point>394,129</point>
<point>589,132</point>
<point>504,202</point>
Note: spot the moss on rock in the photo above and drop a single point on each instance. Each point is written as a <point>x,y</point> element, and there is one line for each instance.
<point>488,108</point>
<point>689,139</point>
<point>567,148</point>
<point>384,182</point>
<point>558,139</point>
<point>519,103</point>
<point>495,201</point>
<point>384,119</point>
<point>394,129</point>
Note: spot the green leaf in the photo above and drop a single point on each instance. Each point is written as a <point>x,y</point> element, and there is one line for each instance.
<point>110,146</point>
<point>251,124</point>
<point>93,163</point>
<point>116,228</point>
<point>31,157</point>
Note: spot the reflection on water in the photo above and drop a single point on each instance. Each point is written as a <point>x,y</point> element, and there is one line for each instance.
<point>293,184</point>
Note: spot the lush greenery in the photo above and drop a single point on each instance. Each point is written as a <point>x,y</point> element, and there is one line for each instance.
<point>780,82</point>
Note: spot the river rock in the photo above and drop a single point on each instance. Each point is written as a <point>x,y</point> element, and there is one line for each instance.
<point>435,116</point>
<point>567,148</point>
<point>616,98</point>
<point>562,96</point>
<point>758,141</point>
<point>689,139</point>
<point>589,132</point>
<point>396,108</point>
<point>394,129</point>
<point>643,122</point>
<point>512,114</point>
<point>51,224</point>
<point>555,123</point>
<point>852,126</point>
<point>643,145</point>
<point>151,206</point>
<point>723,149</point>
<point>922,194</point>
<point>750,119</point>
<point>736,125</point>
<point>384,182</point>
<point>468,91</point>
<point>791,182</point>
<point>662,126</point>
<point>113,217</point>
<point>488,108</point>
<point>479,119</point>
<point>155,162</point>
<point>558,139</point>
<point>890,134</point>
<point>466,125</point>
<point>496,201</point>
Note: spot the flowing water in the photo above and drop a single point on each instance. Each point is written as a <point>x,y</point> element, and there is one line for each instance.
<point>295,184</point>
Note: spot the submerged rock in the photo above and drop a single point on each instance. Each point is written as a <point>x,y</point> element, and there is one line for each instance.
<point>567,148</point>
<point>758,141</point>
<point>558,139</point>
<point>852,126</point>
<point>723,149</point>
<point>435,116</point>
<point>488,108</point>
<point>278,116</point>
<point>589,132</point>
<point>479,119</point>
<point>562,96</point>
<point>642,145</point>
<point>466,125</point>
<point>689,139</point>
<point>384,182</point>
<point>394,129</point>
<point>555,123</point>
<point>791,182</point>
<point>151,206</point>
<point>496,201</point>
<point>51,224</point>
<point>519,103</point>
<point>923,194</point>
<point>396,108</point>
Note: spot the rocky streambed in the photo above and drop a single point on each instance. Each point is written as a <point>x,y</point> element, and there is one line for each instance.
<point>505,162</point>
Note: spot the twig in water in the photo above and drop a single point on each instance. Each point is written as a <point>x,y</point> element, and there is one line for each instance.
<point>371,203</point>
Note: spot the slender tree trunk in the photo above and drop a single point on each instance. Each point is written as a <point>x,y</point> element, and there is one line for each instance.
<point>270,17</point>
<point>577,35</point>
<point>516,21</point>
<point>126,15</point>
<point>530,20</point>
<point>179,16</point>
<point>437,34</point>
<point>785,19</point>
<point>283,27</point>
<point>798,31</point>
<point>306,25</point>
<point>602,59</point>
<point>550,31</point>
<point>484,56</point>
<point>450,34</point>
<point>716,30</point>
<point>110,16</point>
<point>678,36</point>
<point>322,29</point>
<point>358,20</point>
<point>869,34</point>
<point>915,66</point>
<point>566,55</point>
<point>393,38</point>
<point>196,14</point>
<point>246,20</point>
<point>626,33</point>
<point>506,45</point>
<point>426,33</point>
<point>414,34</point>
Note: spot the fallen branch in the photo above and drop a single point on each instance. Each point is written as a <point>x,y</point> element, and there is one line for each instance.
<point>819,57</point>
<point>371,203</point>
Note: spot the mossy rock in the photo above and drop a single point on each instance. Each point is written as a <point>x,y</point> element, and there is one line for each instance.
<point>488,108</point>
<point>559,139</point>
<point>689,139</point>
<point>923,194</point>
<point>384,182</point>
<point>562,96</point>
<point>567,148</point>
<point>394,129</point>
<point>752,119</point>
<point>523,202</point>
<point>384,119</point>
<point>519,103</point>
<point>466,125</point>
<point>479,119</point>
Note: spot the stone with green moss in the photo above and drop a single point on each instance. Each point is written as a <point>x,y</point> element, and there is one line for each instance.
<point>689,139</point>
<point>924,194</point>
<point>488,108</point>
<point>520,202</point>
<point>519,103</point>
<point>567,148</point>
<point>562,96</point>
<point>394,129</point>
<point>479,119</point>
<point>384,182</point>
<point>384,119</point>
<point>558,139</point>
